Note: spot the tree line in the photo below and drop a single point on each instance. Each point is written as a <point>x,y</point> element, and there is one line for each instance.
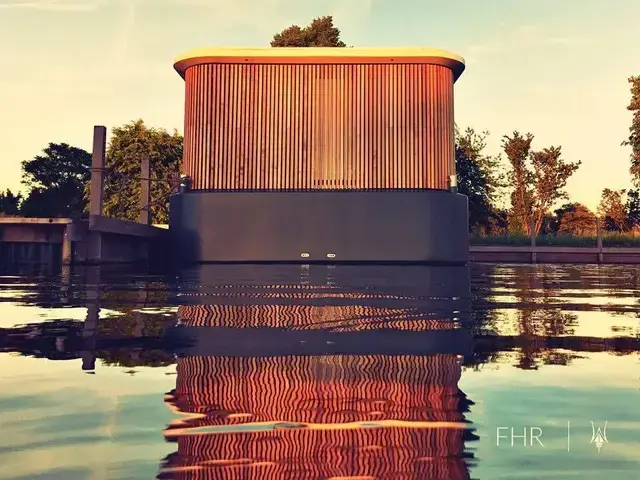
<point>57,180</point>
<point>514,192</point>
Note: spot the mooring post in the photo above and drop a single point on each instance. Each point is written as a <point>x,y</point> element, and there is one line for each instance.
<point>453,183</point>
<point>532,229</point>
<point>97,170</point>
<point>185,183</point>
<point>96,192</point>
<point>145,180</point>
<point>599,238</point>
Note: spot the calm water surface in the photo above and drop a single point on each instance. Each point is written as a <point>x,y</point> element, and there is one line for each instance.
<point>322,372</point>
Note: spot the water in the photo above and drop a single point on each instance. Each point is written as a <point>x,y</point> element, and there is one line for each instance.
<point>321,372</point>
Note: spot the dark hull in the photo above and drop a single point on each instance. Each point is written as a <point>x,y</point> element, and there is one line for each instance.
<point>426,226</point>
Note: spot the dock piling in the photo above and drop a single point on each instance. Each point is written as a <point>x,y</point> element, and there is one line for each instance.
<point>532,229</point>
<point>599,238</point>
<point>145,197</point>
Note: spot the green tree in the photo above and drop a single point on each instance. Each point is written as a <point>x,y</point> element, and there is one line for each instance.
<point>550,173</point>
<point>632,209</point>
<point>538,179</point>
<point>320,33</point>
<point>558,214</point>
<point>128,145</point>
<point>56,181</point>
<point>634,130</point>
<point>473,184</point>
<point>10,203</point>
<point>576,219</point>
<point>612,209</point>
<point>518,148</point>
<point>479,178</point>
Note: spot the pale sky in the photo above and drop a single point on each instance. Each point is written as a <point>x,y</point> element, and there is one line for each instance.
<point>558,69</point>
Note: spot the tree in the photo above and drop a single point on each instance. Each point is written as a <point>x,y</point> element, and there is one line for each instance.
<point>612,209</point>
<point>632,209</point>
<point>518,148</point>
<point>577,220</point>
<point>559,215</point>
<point>128,144</point>
<point>538,179</point>
<point>551,174</point>
<point>634,130</point>
<point>10,203</point>
<point>473,184</point>
<point>320,33</point>
<point>479,178</point>
<point>56,181</point>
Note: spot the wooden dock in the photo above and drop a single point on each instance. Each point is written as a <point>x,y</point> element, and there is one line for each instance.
<point>69,241</point>
<point>553,254</point>
<point>103,240</point>
<point>97,239</point>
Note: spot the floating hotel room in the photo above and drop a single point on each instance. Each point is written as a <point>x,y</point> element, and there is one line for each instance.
<point>319,155</point>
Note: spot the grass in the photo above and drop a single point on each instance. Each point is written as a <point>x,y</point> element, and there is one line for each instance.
<point>612,239</point>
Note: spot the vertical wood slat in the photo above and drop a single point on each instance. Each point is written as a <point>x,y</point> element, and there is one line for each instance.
<point>307,126</point>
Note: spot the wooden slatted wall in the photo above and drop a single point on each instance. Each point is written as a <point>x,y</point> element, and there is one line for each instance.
<point>312,126</point>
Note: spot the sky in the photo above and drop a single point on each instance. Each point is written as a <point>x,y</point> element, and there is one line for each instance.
<point>557,69</point>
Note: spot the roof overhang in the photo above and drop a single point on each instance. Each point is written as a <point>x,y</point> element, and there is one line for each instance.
<point>319,55</point>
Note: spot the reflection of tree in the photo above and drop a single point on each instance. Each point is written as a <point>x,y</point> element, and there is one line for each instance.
<point>530,301</point>
<point>132,323</point>
<point>537,318</point>
<point>64,340</point>
<point>135,357</point>
<point>525,309</point>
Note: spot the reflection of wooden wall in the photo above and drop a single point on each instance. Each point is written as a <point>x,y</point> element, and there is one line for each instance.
<point>336,318</point>
<point>320,390</point>
<point>330,389</point>
<point>363,454</point>
<point>309,126</point>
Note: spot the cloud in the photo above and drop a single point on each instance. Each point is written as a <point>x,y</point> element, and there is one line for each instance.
<point>56,5</point>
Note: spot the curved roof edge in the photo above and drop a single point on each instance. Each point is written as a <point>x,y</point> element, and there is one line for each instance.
<point>330,55</point>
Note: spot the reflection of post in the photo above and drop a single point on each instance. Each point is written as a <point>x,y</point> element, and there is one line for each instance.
<point>532,229</point>
<point>67,245</point>
<point>143,297</point>
<point>145,172</point>
<point>65,280</point>
<point>89,333</point>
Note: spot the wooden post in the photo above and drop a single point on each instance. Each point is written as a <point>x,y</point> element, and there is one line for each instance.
<point>599,238</point>
<point>94,239</point>
<point>97,170</point>
<point>532,228</point>
<point>145,176</point>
